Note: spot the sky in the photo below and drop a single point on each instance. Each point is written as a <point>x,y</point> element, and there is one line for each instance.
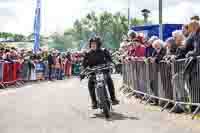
<point>57,15</point>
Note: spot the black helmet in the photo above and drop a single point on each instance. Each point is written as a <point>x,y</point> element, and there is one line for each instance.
<point>97,40</point>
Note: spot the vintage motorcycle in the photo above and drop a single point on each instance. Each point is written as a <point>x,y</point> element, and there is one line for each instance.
<point>104,101</point>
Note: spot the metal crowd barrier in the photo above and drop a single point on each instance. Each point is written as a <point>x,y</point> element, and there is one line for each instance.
<point>164,82</point>
<point>1,74</point>
<point>9,73</point>
<point>17,74</point>
<point>40,71</point>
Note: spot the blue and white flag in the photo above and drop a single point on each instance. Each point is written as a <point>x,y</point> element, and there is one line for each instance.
<point>36,32</point>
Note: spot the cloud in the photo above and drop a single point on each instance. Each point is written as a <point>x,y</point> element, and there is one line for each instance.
<point>7,12</point>
<point>171,8</point>
<point>180,13</point>
<point>177,13</point>
<point>18,15</point>
<point>7,1</point>
<point>60,14</point>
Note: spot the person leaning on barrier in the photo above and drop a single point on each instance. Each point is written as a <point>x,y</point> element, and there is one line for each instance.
<point>139,47</point>
<point>149,50</point>
<point>185,30</point>
<point>195,37</point>
<point>190,42</point>
<point>179,38</point>
<point>132,35</point>
<point>7,56</point>
<point>170,45</point>
<point>190,63</point>
<point>160,51</point>
<point>174,44</point>
<point>195,18</point>
<point>136,49</point>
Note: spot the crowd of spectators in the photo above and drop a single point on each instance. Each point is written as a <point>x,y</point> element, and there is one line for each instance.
<point>184,43</point>
<point>52,64</point>
<point>182,46</point>
<point>45,65</point>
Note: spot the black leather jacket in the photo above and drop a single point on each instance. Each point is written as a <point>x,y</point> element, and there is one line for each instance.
<point>195,40</point>
<point>96,57</point>
<point>192,46</point>
<point>159,55</point>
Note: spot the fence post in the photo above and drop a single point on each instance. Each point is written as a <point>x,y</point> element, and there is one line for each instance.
<point>160,92</point>
<point>148,79</point>
<point>173,73</point>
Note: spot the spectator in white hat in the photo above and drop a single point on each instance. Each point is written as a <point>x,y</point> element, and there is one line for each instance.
<point>160,51</point>
<point>149,50</point>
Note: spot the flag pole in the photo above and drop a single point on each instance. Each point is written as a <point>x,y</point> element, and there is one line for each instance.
<point>36,33</point>
<point>160,19</point>
<point>128,14</point>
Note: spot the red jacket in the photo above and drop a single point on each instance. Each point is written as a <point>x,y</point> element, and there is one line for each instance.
<point>139,51</point>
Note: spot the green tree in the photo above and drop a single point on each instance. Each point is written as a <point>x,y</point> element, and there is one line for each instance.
<point>119,28</point>
<point>136,21</point>
<point>57,41</point>
<point>18,37</point>
<point>109,26</point>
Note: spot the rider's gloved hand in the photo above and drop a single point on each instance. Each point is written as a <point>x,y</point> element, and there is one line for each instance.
<point>82,76</point>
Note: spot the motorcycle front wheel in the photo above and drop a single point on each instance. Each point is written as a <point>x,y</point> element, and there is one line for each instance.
<point>106,109</point>
<point>104,101</point>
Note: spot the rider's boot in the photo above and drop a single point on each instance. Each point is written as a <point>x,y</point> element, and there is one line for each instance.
<point>92,95</point>
<point>113,97</point>
<point>94,101</point>
<point>115,101</point>
<point>112,91</point>
<point>94,105</point>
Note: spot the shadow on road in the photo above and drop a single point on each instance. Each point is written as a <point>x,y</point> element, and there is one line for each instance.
<point>116,117</point>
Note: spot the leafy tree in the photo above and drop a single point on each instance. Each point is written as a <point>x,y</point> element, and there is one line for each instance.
<point>136,21</point>
<point>19,38</point>
<point>109,26</point>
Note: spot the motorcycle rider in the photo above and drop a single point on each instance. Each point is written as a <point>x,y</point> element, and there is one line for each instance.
<point>94,57</point>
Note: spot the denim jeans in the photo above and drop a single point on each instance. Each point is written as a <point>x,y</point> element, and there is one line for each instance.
<point>58,73</point>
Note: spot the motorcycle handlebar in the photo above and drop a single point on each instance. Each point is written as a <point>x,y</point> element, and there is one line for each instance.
<point>89,70</point>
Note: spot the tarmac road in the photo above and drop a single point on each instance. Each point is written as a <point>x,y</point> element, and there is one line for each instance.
<point>63,107</point>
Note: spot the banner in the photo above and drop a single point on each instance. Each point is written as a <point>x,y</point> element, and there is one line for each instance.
<point>36,32</point>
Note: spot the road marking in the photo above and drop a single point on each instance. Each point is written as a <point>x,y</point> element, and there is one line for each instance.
<point>29,86</point>
<point>7,92</point>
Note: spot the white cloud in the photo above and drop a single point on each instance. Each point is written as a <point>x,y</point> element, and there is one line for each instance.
<point>20,22</point>
<point>56,15</point>
<point>59,14</point>
<point>179,13</point>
